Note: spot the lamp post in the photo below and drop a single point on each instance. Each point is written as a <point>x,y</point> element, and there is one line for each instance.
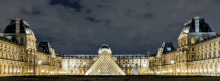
<point>84,66</point>
<point>140,60</point>
<point>179,59</point>
<point>68,64</point>
<point>172,62</point>
<point>34,66</point>
<point>39,62</point>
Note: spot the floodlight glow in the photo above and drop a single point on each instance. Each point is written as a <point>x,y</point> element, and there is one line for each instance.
<point>40,62</point>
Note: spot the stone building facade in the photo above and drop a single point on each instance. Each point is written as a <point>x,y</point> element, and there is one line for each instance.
<point>80,64</point>
<point>20,56</point>
<point>197,54</point>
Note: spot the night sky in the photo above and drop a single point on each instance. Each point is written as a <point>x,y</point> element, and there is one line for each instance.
<point>129,26</point>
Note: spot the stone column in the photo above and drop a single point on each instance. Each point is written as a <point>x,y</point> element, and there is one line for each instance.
<point>216,68</point>
<point>209,69</point>
<point>213,69</point>
<point>0,69</point>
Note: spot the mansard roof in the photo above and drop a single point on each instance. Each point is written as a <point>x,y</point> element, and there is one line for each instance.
<point>24,27</point>
<point>46,47</point>
<point>166,46</point>
<point>190,26</point>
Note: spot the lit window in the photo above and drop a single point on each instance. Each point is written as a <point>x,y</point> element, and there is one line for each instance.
<point>123,65</point>
<point>168,48</point>
<point>172,62</point>
<point>144,65</point>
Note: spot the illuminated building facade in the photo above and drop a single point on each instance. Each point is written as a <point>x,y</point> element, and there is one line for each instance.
<point>104,61</point>
<point>198,53</point>
<point>20,56</point>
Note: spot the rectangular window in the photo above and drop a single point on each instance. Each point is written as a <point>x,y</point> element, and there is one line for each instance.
<point>192,57</point>
<point>123,65</point>
<point>192,49</point>
<point>214,54</point>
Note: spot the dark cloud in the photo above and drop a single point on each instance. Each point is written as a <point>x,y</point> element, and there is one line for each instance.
<point>101,6</point>
<point>68,3</point>
<point>91,19</point>
<point>128,13</point>
<point>35,12</point>
<point>129,26</point>
<point>88,11</point>
<point>148,15</point>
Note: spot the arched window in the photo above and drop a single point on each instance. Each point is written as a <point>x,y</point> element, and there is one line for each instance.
<point>128,65</point>
<point>72,65</point>
<point>123,65</point>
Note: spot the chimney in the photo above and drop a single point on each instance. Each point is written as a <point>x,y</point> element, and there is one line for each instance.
<point>17,20</point>
<point>60,54</point>
<point>196,23</point>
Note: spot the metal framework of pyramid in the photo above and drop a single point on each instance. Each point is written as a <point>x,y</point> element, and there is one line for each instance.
<point>105,65</point>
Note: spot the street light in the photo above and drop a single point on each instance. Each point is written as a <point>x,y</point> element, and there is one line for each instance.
<point>39,62</point>
<point>178,70</point>
<point>84,66</point>
<point>172,62</point>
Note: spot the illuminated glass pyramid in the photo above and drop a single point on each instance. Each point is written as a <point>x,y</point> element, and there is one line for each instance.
<point>105,65</point>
